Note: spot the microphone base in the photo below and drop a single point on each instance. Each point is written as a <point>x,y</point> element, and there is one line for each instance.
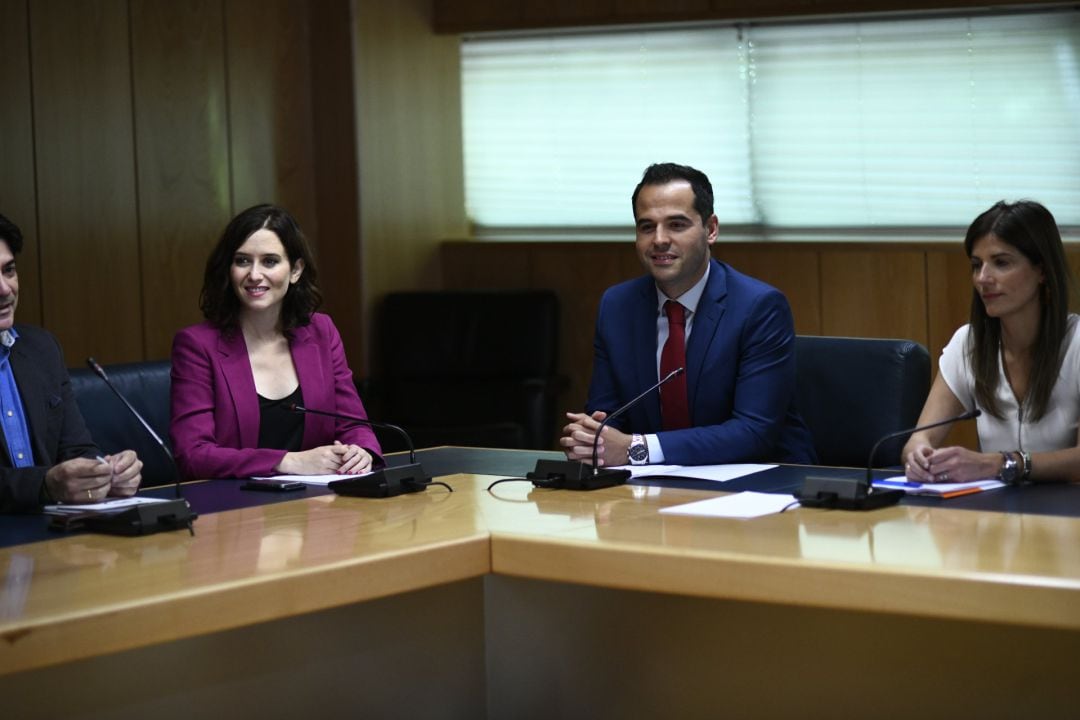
<point>138,520</point>
<point>388,482</point>
<point>574,475</point>
<point>845,494</point>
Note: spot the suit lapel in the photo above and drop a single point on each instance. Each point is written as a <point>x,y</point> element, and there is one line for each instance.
<point>644,324</point>
<point>706,322</point>
<point>315,387</point>
<point>236,367</point>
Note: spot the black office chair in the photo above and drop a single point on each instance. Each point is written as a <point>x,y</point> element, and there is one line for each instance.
<point>853,391</point>
<point>146,385</point>
<point>472,368</point>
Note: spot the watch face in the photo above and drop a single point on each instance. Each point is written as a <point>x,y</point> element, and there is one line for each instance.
<point>639,453</point>
<point>1009,470</point>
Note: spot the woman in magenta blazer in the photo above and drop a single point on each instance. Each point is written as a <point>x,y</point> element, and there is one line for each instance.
<point>262,349</point>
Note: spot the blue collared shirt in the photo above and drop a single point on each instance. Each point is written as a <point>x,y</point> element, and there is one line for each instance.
<point>16,431</point>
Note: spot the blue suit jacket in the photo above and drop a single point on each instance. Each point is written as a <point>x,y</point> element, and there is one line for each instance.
<point>740,366</point>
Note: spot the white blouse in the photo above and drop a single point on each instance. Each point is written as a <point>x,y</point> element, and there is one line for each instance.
<point>1056,430</point>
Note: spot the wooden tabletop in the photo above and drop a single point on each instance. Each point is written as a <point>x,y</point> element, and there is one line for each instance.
<point>85,595</point>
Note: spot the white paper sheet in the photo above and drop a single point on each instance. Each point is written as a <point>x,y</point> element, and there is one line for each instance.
<point>739,505</point>
<point>115,505</point>
<point>944,490</point>
<point>716,473</point>
<point>310,479</point>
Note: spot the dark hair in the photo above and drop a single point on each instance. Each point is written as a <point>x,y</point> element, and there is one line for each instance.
<point>663,173</point>
<point>1030,228</point>
<point>218,299</point>
<point>9,233</point>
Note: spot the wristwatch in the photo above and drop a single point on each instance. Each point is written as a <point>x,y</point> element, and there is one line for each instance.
<point>1010,469</point>
<point>639,450</point>
<point>1025,474</point>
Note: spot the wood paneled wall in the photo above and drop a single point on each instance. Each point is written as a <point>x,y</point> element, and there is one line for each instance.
<point>409,119</point>
<point>132,130</point>
<point>916,291</point>
<point>460,16</point>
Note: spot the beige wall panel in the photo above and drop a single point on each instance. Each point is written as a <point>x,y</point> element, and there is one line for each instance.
<point>86,178</point>
<point>497,267</point>
<point>874,293</point>
<point>270,126</point>
<point>578,274</point>
<point>629,261</point>
<point>476,15</point>
<point>337,193</point>
<point>794,272</point>
<point>786,8</point>
<point>17,198</point>
<point>635,9</point>
<point>181,130</point>
<point>567,11</point>
<point>409,120</point>
<point>948,292</point>
<point>1072,254</point>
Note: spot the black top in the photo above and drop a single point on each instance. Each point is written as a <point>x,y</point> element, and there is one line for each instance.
<point>279,427</point>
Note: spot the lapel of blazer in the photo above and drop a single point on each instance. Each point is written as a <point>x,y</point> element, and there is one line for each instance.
<point>236,367</point>
<point>644,344</point>
<point>305,354</point>
<point>709,311</point>
<point>31,386</point>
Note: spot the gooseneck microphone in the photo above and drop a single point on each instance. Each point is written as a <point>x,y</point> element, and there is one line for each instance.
<point>860,493</point>
<point>387,482</point>
<point>580,475</point>
<point>149,518</point>
<point>100,372</point>
<point>969,415</point>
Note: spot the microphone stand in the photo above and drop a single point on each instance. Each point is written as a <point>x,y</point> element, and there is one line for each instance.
<point>860,493</point>
<point>384,483</point>
<point>151,517</point>
<point>580,475</point>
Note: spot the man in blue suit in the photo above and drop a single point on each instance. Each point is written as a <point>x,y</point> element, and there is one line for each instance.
<point>733,334</point>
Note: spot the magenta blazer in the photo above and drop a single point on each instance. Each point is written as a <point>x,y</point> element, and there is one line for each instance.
<point>215,410</point>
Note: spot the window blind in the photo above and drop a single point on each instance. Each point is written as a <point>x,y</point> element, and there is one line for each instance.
<point>886,123</point>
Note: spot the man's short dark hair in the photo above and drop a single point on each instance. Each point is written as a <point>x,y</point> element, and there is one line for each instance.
<point>9,233</point>
<point>663,173</point>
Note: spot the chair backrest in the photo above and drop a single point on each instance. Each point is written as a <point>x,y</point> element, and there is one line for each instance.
<point>146,385</point>
<point>853,391</point>
<point>470,367</point>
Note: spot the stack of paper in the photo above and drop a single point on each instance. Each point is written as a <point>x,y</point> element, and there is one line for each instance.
<point>110,505</point>
<point>941,490</point>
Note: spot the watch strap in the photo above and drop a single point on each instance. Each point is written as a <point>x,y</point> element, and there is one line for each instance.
<point>638,453</point>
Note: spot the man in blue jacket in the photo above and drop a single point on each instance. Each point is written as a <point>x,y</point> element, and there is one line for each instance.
<point>46,452</point>
<point>732,334</point>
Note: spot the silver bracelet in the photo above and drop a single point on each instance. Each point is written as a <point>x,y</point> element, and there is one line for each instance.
<point>1026,457</point>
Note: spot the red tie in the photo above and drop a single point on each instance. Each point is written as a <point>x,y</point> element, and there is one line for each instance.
<point>674,408</point>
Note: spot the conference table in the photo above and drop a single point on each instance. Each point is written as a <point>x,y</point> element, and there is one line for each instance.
<point>521,602</point>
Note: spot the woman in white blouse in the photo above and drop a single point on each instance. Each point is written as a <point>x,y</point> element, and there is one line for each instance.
<point>1018,360</point>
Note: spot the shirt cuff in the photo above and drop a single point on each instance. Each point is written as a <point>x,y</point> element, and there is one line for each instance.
<point>656,453</point>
